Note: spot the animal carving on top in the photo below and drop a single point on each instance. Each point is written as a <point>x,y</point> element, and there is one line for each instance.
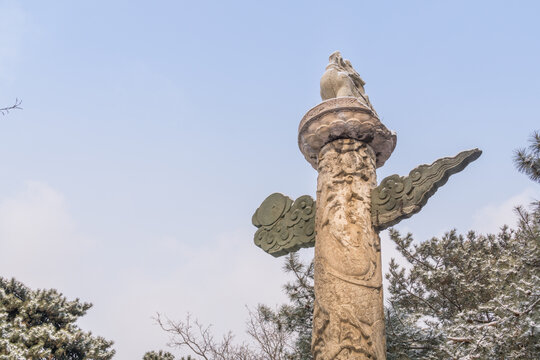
<point>340,79</point>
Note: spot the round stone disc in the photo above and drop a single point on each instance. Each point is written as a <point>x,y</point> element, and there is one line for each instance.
<point>271,208</point>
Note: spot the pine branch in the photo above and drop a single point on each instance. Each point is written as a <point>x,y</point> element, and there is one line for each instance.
<point>527,161</point>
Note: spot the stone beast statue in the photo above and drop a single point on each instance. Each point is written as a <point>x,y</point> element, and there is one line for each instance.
<point>340,79</point>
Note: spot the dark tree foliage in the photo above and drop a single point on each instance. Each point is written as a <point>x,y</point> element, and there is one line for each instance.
<point>528,160</point>
<point>40,324</point>
<point>467,297</point>
<point>160,355</point>
<point>296,317</point>
<point>405,340</point>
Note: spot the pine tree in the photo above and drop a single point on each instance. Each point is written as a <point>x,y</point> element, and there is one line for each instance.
<point>467,297</point>
<point>40,324</point>
<point>528,161</point>
<point>295,317</point>
<point>473,296</point>
<point>160,355</point>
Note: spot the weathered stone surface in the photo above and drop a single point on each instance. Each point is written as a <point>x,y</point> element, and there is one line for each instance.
<point>341,80</point>
<point>345,141</point>
<point>348,320</point>
<point>399,197</point>
<point>343,118</point>
<point>285,226</point>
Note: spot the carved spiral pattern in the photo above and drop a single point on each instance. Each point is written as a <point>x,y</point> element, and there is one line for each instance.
<point>399,197</point>
<point>285,226</point>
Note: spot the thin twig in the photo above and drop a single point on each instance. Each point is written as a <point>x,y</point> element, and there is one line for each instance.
<point>16,106</point>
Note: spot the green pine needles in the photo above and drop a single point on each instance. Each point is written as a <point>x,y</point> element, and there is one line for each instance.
<point>467,297</point>
<point>40,324</point>
<point>160,355</point>
<point>528,160</point>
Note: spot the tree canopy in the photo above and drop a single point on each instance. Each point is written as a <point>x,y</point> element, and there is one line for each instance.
<point>158,355</point>
<point>40,324</point>
<point>467,296</point>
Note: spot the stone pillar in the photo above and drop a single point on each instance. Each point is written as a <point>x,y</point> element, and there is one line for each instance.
<point>345,141</point>
<point>349,318</point>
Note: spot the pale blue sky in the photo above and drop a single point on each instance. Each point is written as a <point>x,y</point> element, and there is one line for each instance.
<point>152,130</point>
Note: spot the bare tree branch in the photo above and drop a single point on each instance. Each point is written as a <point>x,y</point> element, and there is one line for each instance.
<point>274,342</point>
<point>16,106</point>
<point>200,341</point>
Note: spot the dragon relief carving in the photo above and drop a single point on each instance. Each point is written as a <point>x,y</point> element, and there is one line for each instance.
<point>399,197</point>
<point>346,177</point>
<point>353,335</point>
<point>347,263</point>
<point>285,226</point>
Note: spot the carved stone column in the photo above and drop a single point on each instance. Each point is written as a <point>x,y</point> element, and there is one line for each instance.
<point>345,141</point>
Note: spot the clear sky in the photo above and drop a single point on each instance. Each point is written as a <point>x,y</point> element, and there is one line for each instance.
<point>152,130</point>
